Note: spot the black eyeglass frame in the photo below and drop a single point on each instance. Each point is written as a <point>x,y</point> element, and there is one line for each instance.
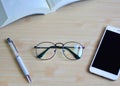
<point>55,45</point>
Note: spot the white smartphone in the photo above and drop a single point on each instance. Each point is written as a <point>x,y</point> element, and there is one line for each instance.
<point>106,61</point>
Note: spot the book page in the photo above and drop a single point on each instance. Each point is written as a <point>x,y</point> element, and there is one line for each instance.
<point>55,4</point>
<point>52,3</point>
<point>16,9</point>
<point>3,16</point>
<point>23,5</point>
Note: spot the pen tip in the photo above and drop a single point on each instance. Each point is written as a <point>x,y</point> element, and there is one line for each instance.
<point>29,79</point>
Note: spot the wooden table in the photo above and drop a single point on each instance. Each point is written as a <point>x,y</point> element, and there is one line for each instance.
<point>83,22</point>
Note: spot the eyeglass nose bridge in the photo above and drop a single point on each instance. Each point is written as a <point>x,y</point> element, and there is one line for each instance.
<point>59,45</point>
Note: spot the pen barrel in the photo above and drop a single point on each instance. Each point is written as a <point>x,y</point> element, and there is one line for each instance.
<point>13,48</point>
<point>22,66</point>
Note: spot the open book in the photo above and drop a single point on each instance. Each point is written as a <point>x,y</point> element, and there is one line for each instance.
<point>12,10</point>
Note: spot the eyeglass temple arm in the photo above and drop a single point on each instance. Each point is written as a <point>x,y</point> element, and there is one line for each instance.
<point>41,54</point>
<point>67,48</point>
<point>47,48</point>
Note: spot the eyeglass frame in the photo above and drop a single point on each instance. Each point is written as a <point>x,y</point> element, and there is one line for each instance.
<point>58,47</point>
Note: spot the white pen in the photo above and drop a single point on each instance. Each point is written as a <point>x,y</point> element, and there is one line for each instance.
<point>19,60</point>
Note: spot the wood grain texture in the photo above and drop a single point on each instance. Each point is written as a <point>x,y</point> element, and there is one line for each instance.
<point>83,22</point>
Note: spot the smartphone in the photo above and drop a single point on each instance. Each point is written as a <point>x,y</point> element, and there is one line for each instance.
<point>106,61</point>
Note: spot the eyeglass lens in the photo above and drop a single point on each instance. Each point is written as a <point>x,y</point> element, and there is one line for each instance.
<point>74,50</point>
<point>45,50</point>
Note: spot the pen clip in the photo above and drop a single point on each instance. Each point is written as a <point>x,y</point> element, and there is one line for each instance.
<point>9,40</point>
<point>14,46</point>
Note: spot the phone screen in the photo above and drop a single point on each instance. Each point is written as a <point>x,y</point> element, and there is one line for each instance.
<point>108,55</point>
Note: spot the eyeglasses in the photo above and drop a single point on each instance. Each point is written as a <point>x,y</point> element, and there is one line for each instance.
<point>71,50</point>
